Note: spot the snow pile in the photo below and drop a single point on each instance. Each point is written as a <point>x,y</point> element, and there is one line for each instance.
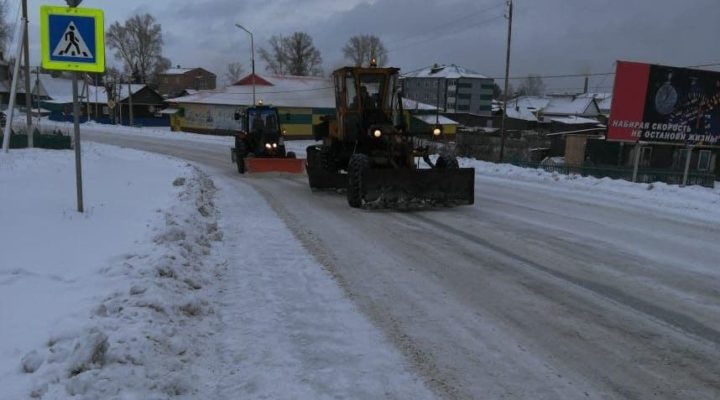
<point>690,201</point>
<point>112,302</point>
<point>154,132</point>
<point>141,340</point>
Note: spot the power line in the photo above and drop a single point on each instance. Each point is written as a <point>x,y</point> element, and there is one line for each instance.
<point>590,74</point>
<point>454,31</point>
<point>445,25</point>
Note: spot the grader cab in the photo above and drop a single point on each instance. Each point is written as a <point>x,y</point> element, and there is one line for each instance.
<point>368,149</point>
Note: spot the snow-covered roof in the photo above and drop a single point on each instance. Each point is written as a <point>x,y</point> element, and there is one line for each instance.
<point>542,108</point>
<point>526,107</point>
<point>432,119</point>
<point>286,91</point>
<point>59,90</point>
<point>409,104</point>
<point>569,105</point>
<point>451,71</point>
<point>177,71</point>
<point>573,120</point>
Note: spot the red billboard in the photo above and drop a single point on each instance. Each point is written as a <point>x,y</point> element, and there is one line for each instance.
<point>655,103</point>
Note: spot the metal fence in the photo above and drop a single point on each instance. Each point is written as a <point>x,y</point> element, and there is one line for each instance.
<point>645,175</point>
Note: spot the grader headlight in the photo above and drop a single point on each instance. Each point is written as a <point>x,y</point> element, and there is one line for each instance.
<point>377,133</point>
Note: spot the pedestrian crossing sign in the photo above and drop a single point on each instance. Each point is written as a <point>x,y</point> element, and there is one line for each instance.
<point>72,39</point>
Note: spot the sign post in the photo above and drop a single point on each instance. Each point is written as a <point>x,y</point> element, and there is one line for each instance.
<point>686,172</point>
<point>73,39</point>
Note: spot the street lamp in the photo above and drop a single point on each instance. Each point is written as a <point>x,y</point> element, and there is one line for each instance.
<point>252,49</point>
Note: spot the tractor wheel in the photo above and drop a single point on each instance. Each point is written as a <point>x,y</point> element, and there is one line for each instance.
<point>240,154</point>
<point>358,163</point>
<point>326,159</point>
<point>447,162</point>
<point>290,154</point>
<point>312,159</point>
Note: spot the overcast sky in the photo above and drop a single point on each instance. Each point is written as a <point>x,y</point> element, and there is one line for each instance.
<point>549,36</point>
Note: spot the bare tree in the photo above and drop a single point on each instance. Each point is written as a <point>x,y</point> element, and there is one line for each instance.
<point>138,43</point>
<point>360,50</point>
<point>293,55</point>
<point>531,86</point>
<point>5,26</point>
<point>234,72</point>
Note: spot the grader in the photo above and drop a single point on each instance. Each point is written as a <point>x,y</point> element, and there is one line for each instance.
<point>368,149</point>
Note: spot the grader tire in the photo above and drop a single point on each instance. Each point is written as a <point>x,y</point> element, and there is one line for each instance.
<point>358,163</point>
<point>447,162</point>
<point>240,154</point>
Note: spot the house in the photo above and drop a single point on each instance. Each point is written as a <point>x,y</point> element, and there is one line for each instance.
<point>452,88</point>
<point>55,94</point>
<point>423,118</point>
<point>554,113</point>
<point>174,81</point>
<point>301,100</point>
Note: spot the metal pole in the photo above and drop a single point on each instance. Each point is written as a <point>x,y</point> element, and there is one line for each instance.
<point>37,93</point>
<point>13,92</point>
<point>507,77</point>
<point>688,156</point>
<point>76,142</point>
<point>96,98</point>
<point>252,50</point>
<point>636,164</point>
<point>119,102</point>
<point>28,100</point>
<point>86,78</point>
<point>130,101</point>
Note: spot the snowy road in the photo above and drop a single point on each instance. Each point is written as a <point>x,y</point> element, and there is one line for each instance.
<point>527,294</point>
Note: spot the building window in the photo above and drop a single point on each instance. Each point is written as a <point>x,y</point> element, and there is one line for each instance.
<point>464,85</point>
<point>486,97</point>
<point>463,108</point>
<point>704,160</point>
<point>487,86</point>
<point>106,110</point>
<point>464,96</point>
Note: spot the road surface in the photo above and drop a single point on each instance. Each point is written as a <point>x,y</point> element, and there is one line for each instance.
<point>528,294</point>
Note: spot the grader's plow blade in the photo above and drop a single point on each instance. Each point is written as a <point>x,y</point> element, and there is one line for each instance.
<point>291,165</point>
<point>407,188</point>
<point>321,179</point>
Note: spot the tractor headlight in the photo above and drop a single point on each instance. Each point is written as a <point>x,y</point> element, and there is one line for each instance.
<point>377,133</point>
<point>437,131</point>
<point>274,145</point>
<point>268,146</point>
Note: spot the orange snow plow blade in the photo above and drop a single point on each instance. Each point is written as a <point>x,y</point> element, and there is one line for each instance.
<point>291,165</point>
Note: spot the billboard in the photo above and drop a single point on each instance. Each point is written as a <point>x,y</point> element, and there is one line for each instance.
<point>655,103</point>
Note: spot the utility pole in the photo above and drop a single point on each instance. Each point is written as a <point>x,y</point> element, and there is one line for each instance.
<point>252,51</point>
<point>28,100</point>
<point>507,82</point>
<point>130,121</point>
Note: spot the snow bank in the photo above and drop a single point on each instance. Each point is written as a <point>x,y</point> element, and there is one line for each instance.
<point>691,201</point>
<point>77,323</point>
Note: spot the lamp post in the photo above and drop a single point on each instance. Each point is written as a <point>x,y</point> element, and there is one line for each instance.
<point>252,50</point>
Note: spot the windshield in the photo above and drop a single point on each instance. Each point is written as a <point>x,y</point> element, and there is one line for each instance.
<point>262,119</point>
<point>371,90</point>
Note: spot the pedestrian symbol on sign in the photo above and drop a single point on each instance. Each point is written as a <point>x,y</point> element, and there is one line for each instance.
<point>72,44</point>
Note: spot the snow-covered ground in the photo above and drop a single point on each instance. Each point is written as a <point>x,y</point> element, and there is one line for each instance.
<point>169,286</point>
<point>692,201</point>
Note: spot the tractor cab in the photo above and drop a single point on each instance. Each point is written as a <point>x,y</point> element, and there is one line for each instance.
<point>364,99</point>
<point>261,143</point>
<point>262,133</point>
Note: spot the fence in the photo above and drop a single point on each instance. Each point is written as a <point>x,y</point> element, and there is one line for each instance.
<point>644,175</point>
<point>138,121</point>
<point>41,141</point>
